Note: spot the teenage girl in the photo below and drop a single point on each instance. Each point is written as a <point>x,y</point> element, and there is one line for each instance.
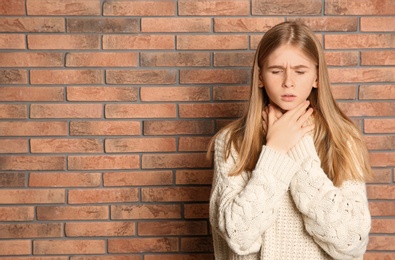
<point>289,175</point>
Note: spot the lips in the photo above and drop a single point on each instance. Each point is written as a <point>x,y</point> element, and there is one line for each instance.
<point>288,97</point>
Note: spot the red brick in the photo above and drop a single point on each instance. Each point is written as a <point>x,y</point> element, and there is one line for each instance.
<point>378,58</point>
<point>105,128</point>
<point>106,257</point>
<point>196,244</point>
<point>12,41</point>
<point>220,123</point>
<point>381,176</point>
<point>13,146</point>
<point>344,91</point>
<point>32,163</point>
<point>60,247</point>
<point>378,256</point>
<point>286,7</point>
<point>32,196</point>
<point>13,111</point>
<point>351,75</point>
<point>233,59</point>
<point>102,93</point>
<point>161,161</point>
<point>72,212</point>
<point>28,24</point>
<point>193,143</point>
<point>178,127</point>
<point>329,24</point>
<point>19,128</point>
<point>377,24</point>
<point>138,42</point>
<point>32,94</point>
<point>256,24</point>
<point>119,229</point>
<point>194,177</point>
<point>373,125</point>
<point>13,213</point>
<point>136,245</point>
<point>12,179</point>
<point>205,76</point>
<point>381,243</point>
<point>383,226</point>
<point>380,142</point>
<point>179,257</point>
<point>179,59</point>
<point>140,111</point>
<point>381,191</point>
<point>342,58</point>
<point>63,179</point>
<point>31,59</point>
<point>192,194</point>
<point>214,7</point>
<point>211,110</point>
<point>212,42</point>
<point>141,76</point>
<point>137,178</point>
<point>66,111</point>
<point>231,92</point>
<point>139,8</point>
<point>15,247</point>
<point>175,24</point>
<point>382,159</point>
<point>101,59</point>
<point>66,77</point>
<point>82,196</point>
<point>12,7</point>
<point>165,228</point>
<point>382,208</point>
<point>368,109</point>
<point>175,93</point>
<point>146,211</point>
<point>103,162</point>
<point>13,76</point>
<point>362,7</point>
<point>34,230</point>
<point>102,25</point>
<point>66,145</point>
<point>140,145</point>
<point>358,41</point>
<point>63,42</point>
<point>63,7</point>
<point>196,211</point>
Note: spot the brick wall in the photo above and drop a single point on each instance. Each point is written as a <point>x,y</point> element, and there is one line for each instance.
<point>106,108</point>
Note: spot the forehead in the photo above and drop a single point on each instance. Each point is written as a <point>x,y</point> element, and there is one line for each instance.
<point>289,54</point>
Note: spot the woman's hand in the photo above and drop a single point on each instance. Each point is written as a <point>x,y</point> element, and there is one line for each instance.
<point>283,131</point>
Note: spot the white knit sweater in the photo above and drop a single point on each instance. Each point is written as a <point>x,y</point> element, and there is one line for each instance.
<point>287,208</point>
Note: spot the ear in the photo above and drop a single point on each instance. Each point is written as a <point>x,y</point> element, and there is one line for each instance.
<point>315,84</point>
<point>260,83</point>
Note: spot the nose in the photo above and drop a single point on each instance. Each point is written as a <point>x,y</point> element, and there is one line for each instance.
<point>288,80</point>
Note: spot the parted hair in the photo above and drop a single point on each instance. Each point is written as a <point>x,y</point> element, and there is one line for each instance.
<point>339,143</point>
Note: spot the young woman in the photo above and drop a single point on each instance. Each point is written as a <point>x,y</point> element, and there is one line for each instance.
<point>289,176</point>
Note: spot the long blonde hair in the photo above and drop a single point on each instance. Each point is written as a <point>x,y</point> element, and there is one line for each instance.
<point>338,141</point>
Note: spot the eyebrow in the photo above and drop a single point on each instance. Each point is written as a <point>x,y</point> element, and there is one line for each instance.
<point>292,67</point>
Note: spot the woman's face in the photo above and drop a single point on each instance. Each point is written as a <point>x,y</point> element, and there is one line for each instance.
<point>288,76</point>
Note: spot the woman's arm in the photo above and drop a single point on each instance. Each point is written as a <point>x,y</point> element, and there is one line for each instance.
<point>243,207</point>
<point>337,218</point>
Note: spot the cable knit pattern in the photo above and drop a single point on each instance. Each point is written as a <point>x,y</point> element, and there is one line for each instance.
<point>255,215</point>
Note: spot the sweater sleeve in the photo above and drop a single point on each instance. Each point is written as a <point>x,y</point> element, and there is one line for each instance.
<point>242,207</point>
<point>337,218</point>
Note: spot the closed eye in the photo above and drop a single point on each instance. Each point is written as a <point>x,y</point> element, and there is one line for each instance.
<point>300,72</point>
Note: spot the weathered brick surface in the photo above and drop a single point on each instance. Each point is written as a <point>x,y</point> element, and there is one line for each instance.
<point>107,108</point>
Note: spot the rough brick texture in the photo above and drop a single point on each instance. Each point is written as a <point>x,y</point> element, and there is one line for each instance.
<point>107,107</point>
